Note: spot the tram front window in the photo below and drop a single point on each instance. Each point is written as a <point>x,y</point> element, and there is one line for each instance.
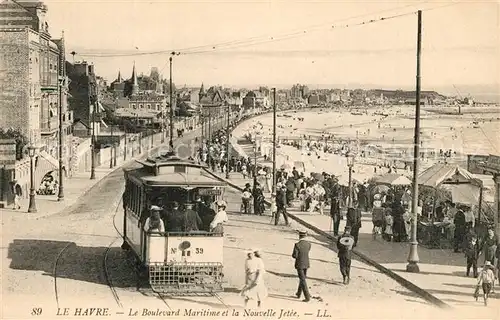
<point>179,213</point>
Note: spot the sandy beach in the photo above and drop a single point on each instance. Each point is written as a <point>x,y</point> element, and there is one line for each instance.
<point>384,133</point>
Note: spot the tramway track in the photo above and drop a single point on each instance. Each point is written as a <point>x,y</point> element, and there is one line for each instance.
<point>107,275</point>
<point>54,271</point>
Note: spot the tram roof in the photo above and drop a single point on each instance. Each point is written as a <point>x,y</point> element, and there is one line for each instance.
<point>171,171</point>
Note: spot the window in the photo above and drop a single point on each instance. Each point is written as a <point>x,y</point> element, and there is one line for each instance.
<point>149,106</point>
<point>157,106</point>
<point>141,106</point>
<point>133,106</point>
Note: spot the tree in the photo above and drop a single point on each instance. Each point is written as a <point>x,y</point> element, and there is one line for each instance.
<point>19,137</point>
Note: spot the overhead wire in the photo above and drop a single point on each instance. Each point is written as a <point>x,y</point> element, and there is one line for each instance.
<point>252,41</point>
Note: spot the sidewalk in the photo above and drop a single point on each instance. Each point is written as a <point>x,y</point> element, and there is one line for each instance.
<point>75,187</point>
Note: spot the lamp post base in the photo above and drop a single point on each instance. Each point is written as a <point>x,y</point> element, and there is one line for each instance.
<point>32,205</point>
<point>60,196</point>
<point>413,259</point>
<point>412,267</point>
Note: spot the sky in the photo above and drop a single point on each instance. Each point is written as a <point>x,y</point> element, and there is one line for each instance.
<point>460,41</point>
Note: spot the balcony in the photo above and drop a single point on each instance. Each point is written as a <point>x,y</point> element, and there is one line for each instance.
<point>49,81</point>
<point>49,126</point>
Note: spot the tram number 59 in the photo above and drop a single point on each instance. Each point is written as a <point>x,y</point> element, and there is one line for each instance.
<point>198,250</point>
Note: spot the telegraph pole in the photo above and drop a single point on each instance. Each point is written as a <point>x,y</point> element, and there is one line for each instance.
<point>62,84</point>
<point>171,142</point>
<point>274,141</point>
<point>413,258</point>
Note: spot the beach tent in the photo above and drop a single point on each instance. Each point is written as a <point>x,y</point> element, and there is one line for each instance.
<point>393,179</point>
<point>444,174</point>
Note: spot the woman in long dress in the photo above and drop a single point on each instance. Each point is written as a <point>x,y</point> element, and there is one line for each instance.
<point>255,288</point>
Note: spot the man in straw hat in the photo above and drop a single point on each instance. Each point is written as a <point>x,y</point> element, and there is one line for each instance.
<point>485,279</point>
<point>344,249</point>
<point>301,256</point>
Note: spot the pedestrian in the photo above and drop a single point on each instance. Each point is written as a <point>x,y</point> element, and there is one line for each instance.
<point>458,236</point>
<point>388,226</point>
<point>485,280</point>
<point>255,287</point>
<point>281,204</point>
<point>301,256</point>
<point>335,214</point>
<point>245,199</point>
<point>344,249</point>
<point>354,221</point>
<point>471,249</point>
<point>377,216</point>
<point>17,191</point>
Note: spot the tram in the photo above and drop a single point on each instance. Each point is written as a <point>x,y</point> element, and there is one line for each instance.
<point>176,260</point>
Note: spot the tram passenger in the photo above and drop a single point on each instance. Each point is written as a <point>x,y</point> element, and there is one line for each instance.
<point>206,213</point>
<point>192,220</point>
<point>174,218</point>
<point>153,222</point>
<point>216,225</point>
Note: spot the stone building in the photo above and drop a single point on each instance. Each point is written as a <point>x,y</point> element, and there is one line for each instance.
<point>31,67</point>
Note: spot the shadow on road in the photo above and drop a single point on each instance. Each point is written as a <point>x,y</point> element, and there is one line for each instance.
<point>288,275</point>
<point>76,262</point>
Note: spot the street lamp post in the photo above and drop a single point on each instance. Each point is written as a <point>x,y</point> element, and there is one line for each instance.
<point>227,142</point>
<point>92,151</point>
<point>115,145</point>
<point>60,195</point>
<point>172,109</point>
<point>274,141</point>
<point>209,135</point>
<point>32,203</point>
<point>111,150</point>
<point>413,258</point>
<point>350,164</point>
<point>255,163</point>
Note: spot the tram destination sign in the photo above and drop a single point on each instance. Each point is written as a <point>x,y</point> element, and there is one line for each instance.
<point>210,192</point>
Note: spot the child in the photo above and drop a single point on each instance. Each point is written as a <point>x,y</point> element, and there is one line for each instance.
<point>485,279</point>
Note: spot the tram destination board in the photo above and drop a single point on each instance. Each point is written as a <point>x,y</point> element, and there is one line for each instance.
<point>210,192</point>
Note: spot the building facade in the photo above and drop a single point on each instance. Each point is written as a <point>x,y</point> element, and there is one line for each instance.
<point>32,66</point>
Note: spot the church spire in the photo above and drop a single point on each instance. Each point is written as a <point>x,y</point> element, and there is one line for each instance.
<point>119,79</point>
<point>135,85</point>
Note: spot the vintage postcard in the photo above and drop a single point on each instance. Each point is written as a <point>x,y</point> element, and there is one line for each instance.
<point>274,159</point>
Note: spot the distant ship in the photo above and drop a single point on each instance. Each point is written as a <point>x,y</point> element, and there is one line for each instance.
<point>356,113</point>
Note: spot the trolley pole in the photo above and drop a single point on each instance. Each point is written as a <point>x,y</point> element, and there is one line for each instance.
<point>413,258</point>
<point>274,141</point>
<point>227,141</point>
<point>172,110</point>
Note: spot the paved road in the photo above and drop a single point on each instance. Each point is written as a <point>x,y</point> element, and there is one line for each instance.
<point>31,248</point>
